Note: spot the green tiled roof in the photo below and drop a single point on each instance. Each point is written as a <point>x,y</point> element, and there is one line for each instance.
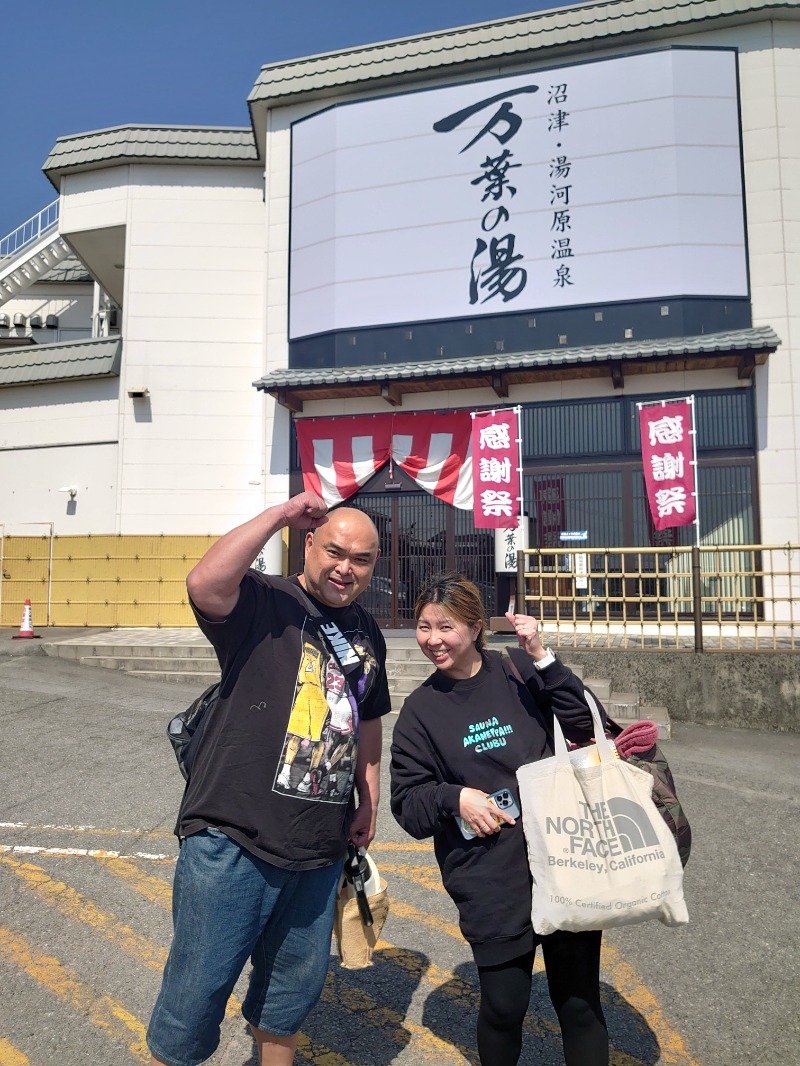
<point>760,338</point>
<point>67,269</point>
<point>40,363</point>
<point>163,144</point>
<point>488,44</point>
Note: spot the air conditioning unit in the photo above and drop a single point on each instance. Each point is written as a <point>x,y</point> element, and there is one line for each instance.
<point>4,321</point>
<point>19,319</point>
<point>36,321</point>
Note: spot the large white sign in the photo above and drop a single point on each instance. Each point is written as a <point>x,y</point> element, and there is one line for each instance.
<point>605,181</point>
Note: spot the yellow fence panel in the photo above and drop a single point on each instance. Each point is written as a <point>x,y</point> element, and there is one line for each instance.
<point>25,575</point>
<point>100,580</point>
<point>124,580</point>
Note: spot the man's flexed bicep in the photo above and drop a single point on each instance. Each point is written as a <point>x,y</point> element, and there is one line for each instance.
<point>213,584</point>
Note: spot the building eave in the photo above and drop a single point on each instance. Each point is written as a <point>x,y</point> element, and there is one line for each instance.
<point>742,350</point>
<point>43,364</point>
<point>495,44</point>
<point>173,145</point>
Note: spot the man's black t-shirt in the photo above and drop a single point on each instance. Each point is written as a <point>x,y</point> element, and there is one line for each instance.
<point>275,767</point>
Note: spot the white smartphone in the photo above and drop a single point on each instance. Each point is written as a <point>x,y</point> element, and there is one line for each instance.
<point>504,800</point>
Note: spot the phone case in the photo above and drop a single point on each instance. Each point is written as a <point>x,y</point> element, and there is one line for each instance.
<point>504,799</point>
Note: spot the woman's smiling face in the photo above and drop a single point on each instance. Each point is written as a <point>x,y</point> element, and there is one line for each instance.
<point>448,643</point>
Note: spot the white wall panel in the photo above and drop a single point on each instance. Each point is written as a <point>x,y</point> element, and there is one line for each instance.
<point>193,334</point>
<point>62,412</point>
<point>30,481</point>
<point>94,200</point>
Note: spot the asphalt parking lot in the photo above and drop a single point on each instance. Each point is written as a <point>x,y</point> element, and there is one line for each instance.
<point>90,790</point>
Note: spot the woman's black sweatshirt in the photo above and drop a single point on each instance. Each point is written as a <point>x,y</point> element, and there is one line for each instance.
<point>475,733</point>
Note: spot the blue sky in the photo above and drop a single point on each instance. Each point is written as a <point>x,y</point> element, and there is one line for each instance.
<point>85,64</point>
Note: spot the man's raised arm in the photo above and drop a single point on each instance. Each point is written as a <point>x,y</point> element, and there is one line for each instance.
<point>214,583</point>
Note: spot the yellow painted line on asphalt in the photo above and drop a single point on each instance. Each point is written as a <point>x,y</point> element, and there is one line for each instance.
<point>144,834</point>
<point>406,845</point>
<point>105,1013</point>
<point>427,876</point>
<point>624,978</point>
<point>73,905</point>
<point>11,1056</point>
<point>622,975</point>
<point>155,889</point>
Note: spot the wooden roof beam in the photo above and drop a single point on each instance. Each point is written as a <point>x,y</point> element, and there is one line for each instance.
<point>747,364</point>
<point>500,385</point>
<point>287,399</point>
<point>392,393</point>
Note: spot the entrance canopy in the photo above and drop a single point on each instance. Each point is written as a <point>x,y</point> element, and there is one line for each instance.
<point>742,349</point>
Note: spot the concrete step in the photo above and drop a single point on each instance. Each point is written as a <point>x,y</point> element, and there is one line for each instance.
<point>419,669</point>
<point>659,715</point>
<point>197,681</point>
<point>624,706</point>
<point>136,664</point>
<point>600,687</point>
<point>132,651</point>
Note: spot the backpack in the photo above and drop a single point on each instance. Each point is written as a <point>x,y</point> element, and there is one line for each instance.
<point>665,795</point>
<point>185,730</point>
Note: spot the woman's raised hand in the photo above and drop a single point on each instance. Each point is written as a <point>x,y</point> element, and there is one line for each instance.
<point>528,633</point>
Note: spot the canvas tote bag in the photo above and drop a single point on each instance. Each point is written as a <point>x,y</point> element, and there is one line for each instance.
<point>600,853</point>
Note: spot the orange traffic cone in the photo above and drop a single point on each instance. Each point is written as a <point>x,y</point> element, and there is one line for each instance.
<point>26,628</point>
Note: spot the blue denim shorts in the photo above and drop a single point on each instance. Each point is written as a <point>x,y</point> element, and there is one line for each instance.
<point>227,905</point>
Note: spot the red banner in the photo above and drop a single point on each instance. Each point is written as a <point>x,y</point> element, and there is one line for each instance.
<point>339,455</point>
<point>667,459</point>
<point>495,469</point>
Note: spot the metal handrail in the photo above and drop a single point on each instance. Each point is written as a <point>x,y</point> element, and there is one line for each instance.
<point>30,231</point>
<point>723,596</point>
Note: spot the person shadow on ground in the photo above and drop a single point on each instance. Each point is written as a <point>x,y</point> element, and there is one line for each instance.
<point>451,1013</point>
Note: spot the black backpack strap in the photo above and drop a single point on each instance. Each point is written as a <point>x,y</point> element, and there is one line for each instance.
<point>337,643</point>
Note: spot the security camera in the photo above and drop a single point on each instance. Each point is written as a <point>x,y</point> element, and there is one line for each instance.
<point>73,492</point>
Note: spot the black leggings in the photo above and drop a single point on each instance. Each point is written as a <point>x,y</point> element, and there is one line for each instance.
<point>572,962</point>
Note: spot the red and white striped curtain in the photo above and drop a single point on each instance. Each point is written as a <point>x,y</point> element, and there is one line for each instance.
<point>339,455</point>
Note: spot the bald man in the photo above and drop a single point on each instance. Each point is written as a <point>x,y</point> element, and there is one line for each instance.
<point>287,773</point>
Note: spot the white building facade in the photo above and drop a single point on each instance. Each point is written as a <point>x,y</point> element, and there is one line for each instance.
<point>258,283</point>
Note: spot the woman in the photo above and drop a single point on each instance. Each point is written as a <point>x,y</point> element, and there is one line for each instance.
<point>459,738</point>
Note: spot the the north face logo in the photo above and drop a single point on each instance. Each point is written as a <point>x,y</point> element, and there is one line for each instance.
<point>605,831</point>
<point>633,828</point>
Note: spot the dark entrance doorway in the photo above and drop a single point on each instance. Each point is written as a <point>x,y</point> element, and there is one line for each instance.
<point>420,536</point>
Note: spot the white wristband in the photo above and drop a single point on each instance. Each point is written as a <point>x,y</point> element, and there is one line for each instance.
<point>548,660</point>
